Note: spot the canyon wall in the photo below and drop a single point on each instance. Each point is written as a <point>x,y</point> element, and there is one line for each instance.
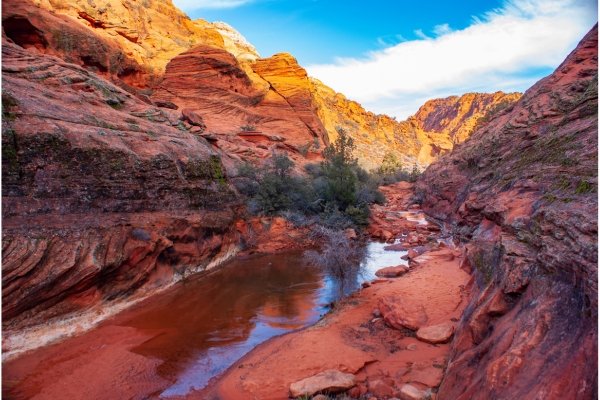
<point>150,48</point>
<point>522,195</point>
<point>104,196</point>
<point>421,139</point>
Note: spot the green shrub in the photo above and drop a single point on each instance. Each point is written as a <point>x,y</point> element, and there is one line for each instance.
<point>248,127</point>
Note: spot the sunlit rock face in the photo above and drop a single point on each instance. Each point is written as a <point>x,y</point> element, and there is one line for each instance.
<point>421,139</point>
<point>521,194</point>
<point>132,41</point>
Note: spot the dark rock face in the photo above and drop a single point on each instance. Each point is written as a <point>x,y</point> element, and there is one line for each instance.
<point>522,193</point>
<point>104,196</point>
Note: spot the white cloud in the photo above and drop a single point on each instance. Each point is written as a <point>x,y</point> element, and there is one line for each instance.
<point>420,34</point>
<point>191,5</point>
<point>505,49</point>
<point>443,29</point>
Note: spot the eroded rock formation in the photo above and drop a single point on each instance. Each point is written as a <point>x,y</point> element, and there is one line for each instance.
<point>269,96</point>
<point>522,194</point>
<point>421,139</point>
<point>103,195</point>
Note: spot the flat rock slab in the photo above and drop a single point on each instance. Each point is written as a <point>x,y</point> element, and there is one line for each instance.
<point>435,334</point>
<point>409,392</point>
<point>430,377</point>
<point>392,272</point>
<point>399,313</point>
<point>330,380</point>
<point>380,280</point>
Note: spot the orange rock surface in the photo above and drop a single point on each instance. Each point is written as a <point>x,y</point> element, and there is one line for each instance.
<point>269,96</point>
<point>431,132</point>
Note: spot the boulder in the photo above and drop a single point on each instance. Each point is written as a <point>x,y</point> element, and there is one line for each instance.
<point>412,254</point>
<point>192,117</point>
<point>330,380</point>
<point>409,392</point>
<point>350,234</point>
<point>386,235</point>
<point>380,389</point>
<point>392,272</point>
<point>435,334</point>
<point>399,313</point>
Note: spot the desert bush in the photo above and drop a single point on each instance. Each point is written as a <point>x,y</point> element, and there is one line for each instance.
<point>296,218</point>
<point>248,127</point>
<point>340,258</point>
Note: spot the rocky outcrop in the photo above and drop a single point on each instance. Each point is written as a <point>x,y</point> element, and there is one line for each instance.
<point>421,139</point>
<point>521,194</point>
<point>269,97</point>
<point>459,116</point>
<point>127,40</point>
<point>105,198</point>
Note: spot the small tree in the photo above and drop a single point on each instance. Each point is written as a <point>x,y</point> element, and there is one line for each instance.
<point>276,185</point>
<point>340,258</point>
<point>414,174</point>
<point>390,164</point>
<point>338,170</point>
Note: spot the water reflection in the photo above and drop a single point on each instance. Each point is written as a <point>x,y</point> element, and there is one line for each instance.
<point>206,325</point>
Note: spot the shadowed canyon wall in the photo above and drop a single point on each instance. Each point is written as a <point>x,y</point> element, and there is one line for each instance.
<point>522,195</point>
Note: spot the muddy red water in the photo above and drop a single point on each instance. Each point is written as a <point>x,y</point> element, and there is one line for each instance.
<point>172,344</point>
<point>179,340</point>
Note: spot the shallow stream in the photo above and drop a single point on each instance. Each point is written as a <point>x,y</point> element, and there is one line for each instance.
<point>207,324</point>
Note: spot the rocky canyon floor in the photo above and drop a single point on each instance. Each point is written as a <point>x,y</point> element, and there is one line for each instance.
<point>357,336</point>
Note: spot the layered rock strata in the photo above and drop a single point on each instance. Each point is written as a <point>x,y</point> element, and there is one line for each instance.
<point>105,198</point>
<point>270,96</point>
<point>521,194</point>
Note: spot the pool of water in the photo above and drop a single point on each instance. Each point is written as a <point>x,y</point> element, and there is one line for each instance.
<point>206,325</point>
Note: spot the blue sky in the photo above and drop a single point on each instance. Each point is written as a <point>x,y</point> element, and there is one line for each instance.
<point>392,56</point>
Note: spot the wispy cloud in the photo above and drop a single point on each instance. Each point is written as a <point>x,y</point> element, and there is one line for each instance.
<point>443,29</point>
<point>191,5</point>
<point>508,48</point>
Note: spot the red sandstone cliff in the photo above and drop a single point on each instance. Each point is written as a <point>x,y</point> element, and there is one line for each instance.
<point>104,196</point>
<point>270,96</point>
<point>521,193</point>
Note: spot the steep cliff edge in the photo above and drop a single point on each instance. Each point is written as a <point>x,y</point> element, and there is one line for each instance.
<point>522,194</point>
<point>421,139</point>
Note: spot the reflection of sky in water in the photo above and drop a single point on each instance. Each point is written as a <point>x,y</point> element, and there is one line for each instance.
<point>217,359</point>
<point>207,325</point>
<point>267,323</point>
